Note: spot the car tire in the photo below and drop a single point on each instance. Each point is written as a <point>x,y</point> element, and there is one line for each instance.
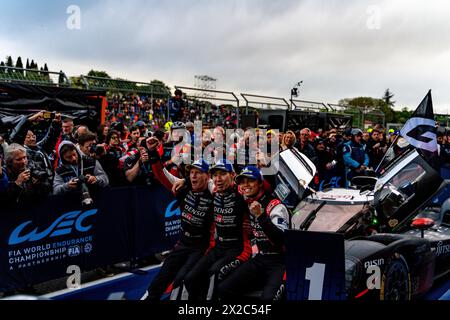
<point>396,280</point>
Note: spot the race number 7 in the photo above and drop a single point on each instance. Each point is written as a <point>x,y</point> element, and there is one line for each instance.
<point>316,276</point>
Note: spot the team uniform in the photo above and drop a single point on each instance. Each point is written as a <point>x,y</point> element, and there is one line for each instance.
<point>266,269</point>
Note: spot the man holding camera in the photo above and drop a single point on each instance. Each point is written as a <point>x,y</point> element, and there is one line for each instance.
<point>76,169</point>
<point>25,181</point>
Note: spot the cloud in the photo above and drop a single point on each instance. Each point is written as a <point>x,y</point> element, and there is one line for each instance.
<point>262,47</point>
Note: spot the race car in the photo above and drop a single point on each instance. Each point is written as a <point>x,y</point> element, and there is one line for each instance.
<point>396,243</point>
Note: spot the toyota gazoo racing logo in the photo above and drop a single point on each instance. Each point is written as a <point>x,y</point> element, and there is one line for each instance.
<point>173,210</point>
<point>62,226</point>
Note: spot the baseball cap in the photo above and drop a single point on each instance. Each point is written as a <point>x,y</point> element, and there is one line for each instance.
<point>223,165</point>
<point>250,172</point>
<point>200,165</point>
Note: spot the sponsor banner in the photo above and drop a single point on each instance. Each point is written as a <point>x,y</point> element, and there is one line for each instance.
<point>157,223</point>
<point>39,241</point>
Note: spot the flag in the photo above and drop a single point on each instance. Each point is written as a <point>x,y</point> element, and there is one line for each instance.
<point>418,132</point>
<point>420,129</point>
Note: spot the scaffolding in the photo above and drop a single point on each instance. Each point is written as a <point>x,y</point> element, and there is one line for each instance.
<point>225,96</point>
<point>264,102</point>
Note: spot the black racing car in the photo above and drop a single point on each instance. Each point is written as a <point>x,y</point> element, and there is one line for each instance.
<point>396,243</point>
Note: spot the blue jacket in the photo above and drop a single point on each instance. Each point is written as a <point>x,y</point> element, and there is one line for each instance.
<point>355,155</point>
<point>3,181</point>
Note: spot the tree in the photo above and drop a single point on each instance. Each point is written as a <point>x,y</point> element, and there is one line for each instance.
<point>9,62</point>
<point>387,98</point>
<point>2,70</point>
<point>44,72</point>
<point>100,74</point>
<point>28,64</point>
<point>160,87</point>
<point>19,65</point>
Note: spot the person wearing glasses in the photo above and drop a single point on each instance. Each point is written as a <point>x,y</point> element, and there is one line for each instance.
<point>305,147</point>
<point>109,159</point>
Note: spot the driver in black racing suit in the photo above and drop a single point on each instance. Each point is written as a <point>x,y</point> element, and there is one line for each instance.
<point>269,218</point>
<point>232,244</point>
<point>196,224</point>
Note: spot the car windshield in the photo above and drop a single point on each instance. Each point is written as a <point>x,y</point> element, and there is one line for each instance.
<point>330,217</point>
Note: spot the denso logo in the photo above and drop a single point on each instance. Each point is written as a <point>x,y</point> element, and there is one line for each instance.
<point>170,211</point>
<point>61,226</point>
<point>223,210</point>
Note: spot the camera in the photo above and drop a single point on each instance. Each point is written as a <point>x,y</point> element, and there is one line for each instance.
<point>86,199</point>
<point>49,115</point>
<point>36,173</point>
<point>97,149</point>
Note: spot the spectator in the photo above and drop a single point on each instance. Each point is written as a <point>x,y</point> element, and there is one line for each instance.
<point>289,140</point>
<point>176,106</point>
<point>87,144</point>
<point>109,160</point>
<point>74,167</point>
<point>26,182</point>
<point>38,152</point>
<point>305,147</point>
<point>355,156</point>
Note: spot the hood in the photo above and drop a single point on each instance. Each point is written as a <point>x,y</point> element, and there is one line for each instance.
<point>61,161</point>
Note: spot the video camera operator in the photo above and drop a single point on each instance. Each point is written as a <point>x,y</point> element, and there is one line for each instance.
<point>26,181</point>
<point>75,169</point>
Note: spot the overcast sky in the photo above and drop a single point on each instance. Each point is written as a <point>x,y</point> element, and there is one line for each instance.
<point>340,49</point>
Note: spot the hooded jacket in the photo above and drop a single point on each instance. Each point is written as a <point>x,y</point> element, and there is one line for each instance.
<point>66,172</point>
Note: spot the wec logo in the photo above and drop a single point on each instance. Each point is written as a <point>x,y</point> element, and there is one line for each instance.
<point>171,211</point>
<point>61,226</point>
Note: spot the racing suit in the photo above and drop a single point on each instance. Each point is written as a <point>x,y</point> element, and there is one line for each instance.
<point>196,224</point>
<point>232,245</point>
<point>266,269</point>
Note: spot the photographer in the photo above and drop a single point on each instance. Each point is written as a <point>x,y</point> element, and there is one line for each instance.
<point>39,152</point>
<point>138,169</point>
<point>76,169</point>
<point>109,156</point>
<point>26,181</point>
<point>87,144</point>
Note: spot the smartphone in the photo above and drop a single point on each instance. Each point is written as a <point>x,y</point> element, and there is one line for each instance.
<point>49,115</point>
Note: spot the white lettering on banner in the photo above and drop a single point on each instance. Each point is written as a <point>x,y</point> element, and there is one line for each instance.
<point>49,252</point>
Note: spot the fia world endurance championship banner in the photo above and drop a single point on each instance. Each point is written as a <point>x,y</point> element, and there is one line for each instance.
<point>39,241</point>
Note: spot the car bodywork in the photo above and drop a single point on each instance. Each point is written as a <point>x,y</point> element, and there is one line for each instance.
<point>376,223</point>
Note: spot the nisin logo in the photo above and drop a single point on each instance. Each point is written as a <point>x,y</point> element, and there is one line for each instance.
<point>61,226</point>
<point>171,211</point>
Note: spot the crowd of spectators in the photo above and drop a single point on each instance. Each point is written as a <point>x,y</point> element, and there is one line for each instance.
<point>68,157</point>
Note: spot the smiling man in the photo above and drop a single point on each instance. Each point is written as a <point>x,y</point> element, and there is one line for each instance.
<point>269,219</point>
<point>232,245</point>
<point>196,223</point>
